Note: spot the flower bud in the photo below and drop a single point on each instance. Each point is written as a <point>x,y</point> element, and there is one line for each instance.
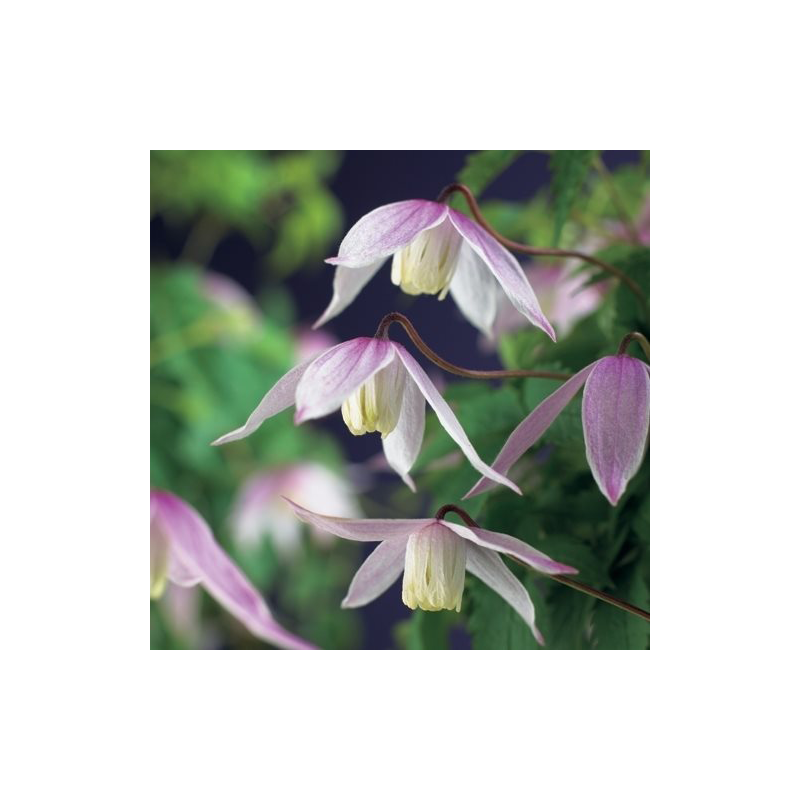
<point>427,264</point>
<point>434,571</point>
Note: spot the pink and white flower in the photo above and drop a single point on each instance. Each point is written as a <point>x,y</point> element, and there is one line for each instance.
<point>183,550</point>
<point>379,386</point>
<point>616,422</point>
<point>259,510</point>
<point>433,556</point>
<point>435,250</point>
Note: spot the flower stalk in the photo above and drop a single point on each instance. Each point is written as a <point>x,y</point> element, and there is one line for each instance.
<point>635,336</point>
<point>573,584</point>
<point>539,251</point>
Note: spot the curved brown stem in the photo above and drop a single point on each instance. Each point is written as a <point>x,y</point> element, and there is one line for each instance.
<point>606,598</point>
<point>635,336</point>
<point>484,374</point>
<point>539,251</point>
<point>581,587</point>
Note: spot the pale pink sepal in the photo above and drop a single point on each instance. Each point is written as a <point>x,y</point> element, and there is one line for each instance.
<point>380,570</point>
<point>401,447</point>
<point>347,283</point>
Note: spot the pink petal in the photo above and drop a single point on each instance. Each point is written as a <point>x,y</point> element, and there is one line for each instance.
<point>347,283</point>
<point>532,427</point>
<point>359,530</point>
<point>382,567</point>
<point>401,447</point>
<point>448,418</point>
<point>338,373</point>
<point>616,419</point>
<point>488,567</point>
<point>278,398</point>
<point>505,268</point>
<point>385,230</point>
<point>193,547</point>
<point>510,545</point>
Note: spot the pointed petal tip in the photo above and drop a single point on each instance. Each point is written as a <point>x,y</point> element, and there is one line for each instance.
<point>409,481</point>
<point>537,634</point>
<point>225,438</point>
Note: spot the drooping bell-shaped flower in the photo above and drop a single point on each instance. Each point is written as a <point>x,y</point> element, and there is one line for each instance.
<point>433,556</point>
<point>435,250</point>
<point>183,550</point>
<point>616,421</point>
<point>380,387</point>
<point>260,512</point>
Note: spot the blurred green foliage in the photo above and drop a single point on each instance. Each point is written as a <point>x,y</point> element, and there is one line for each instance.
<point>279,200</point>
<point>212,361</point>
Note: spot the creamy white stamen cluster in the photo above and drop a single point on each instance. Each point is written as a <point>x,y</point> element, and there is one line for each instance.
<point>427,264</point>
<point>375,405</point>
<point>434,571</point>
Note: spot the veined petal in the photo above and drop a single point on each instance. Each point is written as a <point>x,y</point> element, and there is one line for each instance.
<point>505,268</point>
<point>278,398</point>
<point>386,229</point>
<point>532,427</point>
<point>448,418</point>
<point>359,530</point>
<point>474,290</point>
<point>382,567</point>
<point>347,283</point>
<point>193,545</point>
<point>616,419</point>
<point>403,444</point>
<point>337,373</point>
<point>510,545</point>
<point>488,567</point>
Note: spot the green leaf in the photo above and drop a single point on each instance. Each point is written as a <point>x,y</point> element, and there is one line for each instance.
<point>427,630</point>
<point>570,168</point>
<point>614,629</point>
<point>482,167</point>
<point>494,625</point>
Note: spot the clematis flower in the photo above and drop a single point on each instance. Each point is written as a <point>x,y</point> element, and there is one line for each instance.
<point>616,421</point>
<point>435,250</point>
<point>433,555</point>
<point>379,387</point>
<point>183,550</point>
<point>259,510</point>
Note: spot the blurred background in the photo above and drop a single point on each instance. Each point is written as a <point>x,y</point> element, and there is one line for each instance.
<point>238,240</point>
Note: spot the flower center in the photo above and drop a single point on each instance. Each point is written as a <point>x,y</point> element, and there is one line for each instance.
<point>426,265</point>
<point>375,405</point>
<point>434,573</point>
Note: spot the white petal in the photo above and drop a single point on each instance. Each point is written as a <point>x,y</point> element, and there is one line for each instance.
<point>488,566</point>
<point>347,283</point>
<point>385,230</point>
<point>278,398</point>
<point>505,268</point>
<point>359,530</point>
<point>527,433</point>
<point>403,444</point>
<point>382,567</point>
<point>448,418</point>
<point>510,545</point>
<point>337,373</point>
<point>474,290</point>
